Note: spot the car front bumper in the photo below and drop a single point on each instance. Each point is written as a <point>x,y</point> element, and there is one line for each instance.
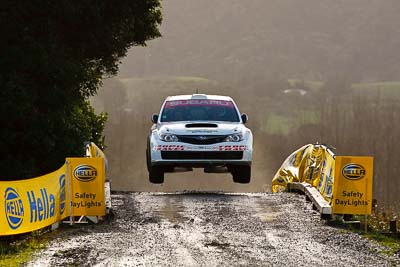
<point>191,155</point>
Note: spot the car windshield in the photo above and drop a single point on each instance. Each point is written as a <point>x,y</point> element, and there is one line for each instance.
<point>199,110</point>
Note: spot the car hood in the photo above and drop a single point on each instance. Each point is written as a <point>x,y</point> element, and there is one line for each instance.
<point>201,128</point>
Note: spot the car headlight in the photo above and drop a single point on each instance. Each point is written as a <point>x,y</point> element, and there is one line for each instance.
<point>169,137</point>
<point>234,138</point>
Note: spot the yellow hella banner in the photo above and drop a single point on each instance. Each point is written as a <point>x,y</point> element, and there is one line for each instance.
<point>76,189</point>
<point>313,164</point>
<point>32,204</point>
<point>87,177</point>
<point>352,193</point>
<point>94,151</point>
<point>292,169</point>
<point>326,175</point>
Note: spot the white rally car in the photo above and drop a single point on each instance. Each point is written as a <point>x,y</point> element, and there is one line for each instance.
<point>199,131</point>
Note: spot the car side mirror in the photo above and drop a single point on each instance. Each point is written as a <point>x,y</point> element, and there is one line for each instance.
<point>154,118</point>
<point>245,118</point>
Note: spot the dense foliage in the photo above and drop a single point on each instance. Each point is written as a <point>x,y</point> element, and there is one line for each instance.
<point>53,55</point>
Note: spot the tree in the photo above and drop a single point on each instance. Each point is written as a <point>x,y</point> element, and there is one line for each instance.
<point>53,55</point>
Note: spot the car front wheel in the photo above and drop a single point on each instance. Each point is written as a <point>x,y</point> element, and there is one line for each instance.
<point>241,174</point>
<point>156,175</point>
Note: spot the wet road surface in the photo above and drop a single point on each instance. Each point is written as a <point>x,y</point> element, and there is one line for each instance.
<point>210,229</point>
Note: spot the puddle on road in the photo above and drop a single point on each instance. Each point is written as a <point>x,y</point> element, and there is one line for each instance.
<point>179,207</point>
<point>266,210</point>
<point>172,209</point>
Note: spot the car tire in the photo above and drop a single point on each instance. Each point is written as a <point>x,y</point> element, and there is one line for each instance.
<point>156,175</point>
<point>241,174</point>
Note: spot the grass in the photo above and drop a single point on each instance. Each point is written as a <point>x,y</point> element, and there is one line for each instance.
<point>17,250</point>
<point>386,89</point>
<point>277,124</point>
<point>392,85</point>
<point>378,225</point>
<point>281,124</point>
<point>391,243</point>
<point>290,122</point>
<point>314,85</point>
<point>307,117</point>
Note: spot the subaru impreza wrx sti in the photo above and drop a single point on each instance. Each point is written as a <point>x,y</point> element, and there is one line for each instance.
<point>199,131</point>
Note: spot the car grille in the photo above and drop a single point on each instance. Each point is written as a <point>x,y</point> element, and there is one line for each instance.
<point>202,155</point>
<point>201,139</point>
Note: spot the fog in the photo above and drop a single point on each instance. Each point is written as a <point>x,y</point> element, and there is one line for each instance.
<point>304,71</point>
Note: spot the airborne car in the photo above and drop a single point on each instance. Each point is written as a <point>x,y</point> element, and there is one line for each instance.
<point>199,131</point>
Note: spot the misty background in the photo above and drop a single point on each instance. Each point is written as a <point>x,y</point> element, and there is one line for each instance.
<point>304,71</point>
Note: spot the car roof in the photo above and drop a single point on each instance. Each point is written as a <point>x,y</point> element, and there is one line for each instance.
<point>198,96</point>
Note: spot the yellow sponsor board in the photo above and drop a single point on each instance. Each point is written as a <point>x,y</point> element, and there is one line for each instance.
<point>87,177</point>
<point>32,204</point>
<point>352,193</point>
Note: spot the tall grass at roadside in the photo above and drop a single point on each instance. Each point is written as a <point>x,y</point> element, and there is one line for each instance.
<point>379,228</point>
<point>17,250</point>
<point>380,218</point>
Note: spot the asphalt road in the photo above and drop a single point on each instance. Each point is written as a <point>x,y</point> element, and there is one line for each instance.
<point>210,229</point>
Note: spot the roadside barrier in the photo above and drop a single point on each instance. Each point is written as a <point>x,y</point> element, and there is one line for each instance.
<point>336,184</point>
<point>76,189</point>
